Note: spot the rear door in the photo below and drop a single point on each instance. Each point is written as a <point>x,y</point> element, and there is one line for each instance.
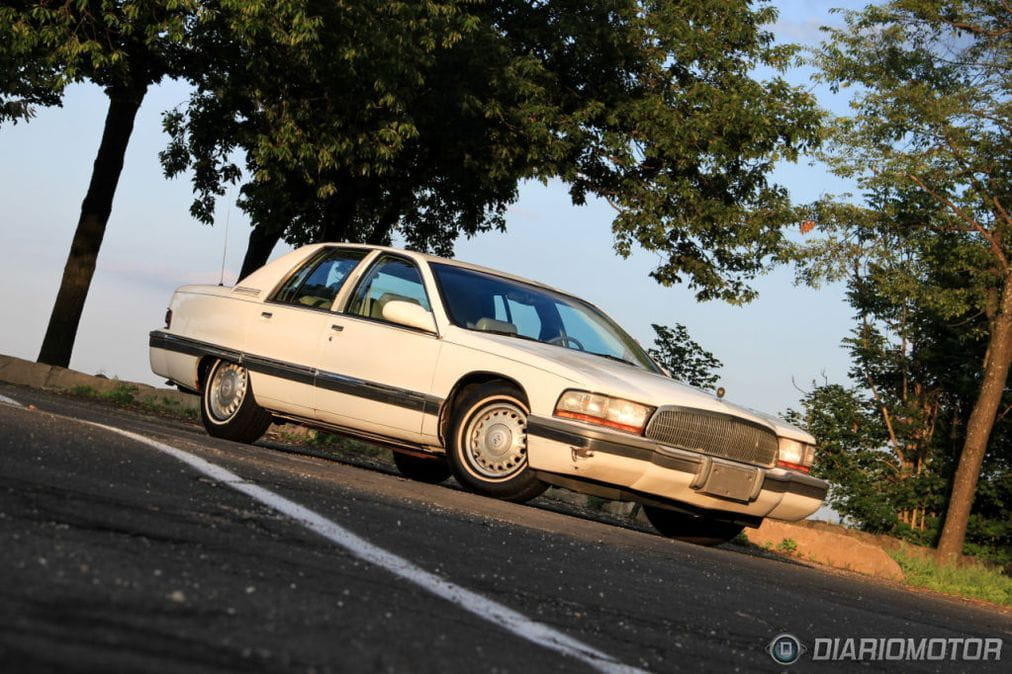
<point>282,342</point>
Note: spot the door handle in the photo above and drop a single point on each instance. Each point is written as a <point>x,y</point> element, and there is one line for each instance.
<point>265,314</point>
<point>337,328</point>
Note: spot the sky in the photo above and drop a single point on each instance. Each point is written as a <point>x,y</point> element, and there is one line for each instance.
<point>772,349</point>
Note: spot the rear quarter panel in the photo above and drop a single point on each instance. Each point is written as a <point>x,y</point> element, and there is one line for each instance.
<point>220,316</point>
<point>206,315</point>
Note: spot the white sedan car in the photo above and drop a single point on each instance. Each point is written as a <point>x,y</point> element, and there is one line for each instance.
<point>508,384</point>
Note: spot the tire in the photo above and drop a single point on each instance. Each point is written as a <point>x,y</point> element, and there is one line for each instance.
<point>487,449</point>
<point>690,529</point>
<point>432,470</point>
<point>227,407</point>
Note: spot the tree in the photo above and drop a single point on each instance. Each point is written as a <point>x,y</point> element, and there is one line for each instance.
<point>652,106</point>
<point>890,441</point>
<point>26,80</point>
<point>331,147</point>
<point>123,47</point>
<point>929,142</point>
<point>683,357</point>
<point>851,456</point>
<point>659,113</point>
<point>887,441</point>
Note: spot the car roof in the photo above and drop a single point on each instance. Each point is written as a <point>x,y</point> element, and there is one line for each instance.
<point>451,262</point>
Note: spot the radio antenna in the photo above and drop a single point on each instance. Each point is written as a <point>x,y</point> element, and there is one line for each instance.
<point>224,250</point>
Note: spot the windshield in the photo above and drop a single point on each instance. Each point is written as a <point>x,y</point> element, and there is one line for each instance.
<point>479,301</point>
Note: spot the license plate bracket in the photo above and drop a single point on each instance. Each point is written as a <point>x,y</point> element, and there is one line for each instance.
<point>729,481</point>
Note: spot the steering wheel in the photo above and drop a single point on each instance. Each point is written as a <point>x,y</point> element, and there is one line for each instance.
<point>563,340</point>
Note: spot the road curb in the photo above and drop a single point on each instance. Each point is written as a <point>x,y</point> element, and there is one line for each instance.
<point>50,377</point>
<point>839,551</point>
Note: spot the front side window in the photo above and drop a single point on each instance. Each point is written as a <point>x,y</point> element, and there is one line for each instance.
<point>488,303</point>
<point>318,282</point>
<point>391,278</point>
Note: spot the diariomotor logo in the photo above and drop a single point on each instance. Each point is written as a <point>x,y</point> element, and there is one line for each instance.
<point>785,649</point>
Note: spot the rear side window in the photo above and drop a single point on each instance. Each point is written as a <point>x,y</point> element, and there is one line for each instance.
<point>317,283</point>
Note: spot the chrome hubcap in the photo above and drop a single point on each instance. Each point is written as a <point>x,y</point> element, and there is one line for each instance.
<point>227,391</point>
<point>497,441</point>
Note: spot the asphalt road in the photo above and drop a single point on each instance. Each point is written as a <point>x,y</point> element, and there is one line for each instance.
<point>117,556</point>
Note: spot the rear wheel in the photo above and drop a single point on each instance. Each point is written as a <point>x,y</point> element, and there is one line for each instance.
<point>432,470</point>
<point>228,409</point>
<point>488,444</point>
<point>691,529</point>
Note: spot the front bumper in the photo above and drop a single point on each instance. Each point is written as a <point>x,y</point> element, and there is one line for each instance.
<point>646,469</point>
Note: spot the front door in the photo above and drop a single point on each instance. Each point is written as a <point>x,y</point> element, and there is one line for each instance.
<point>374,374</point>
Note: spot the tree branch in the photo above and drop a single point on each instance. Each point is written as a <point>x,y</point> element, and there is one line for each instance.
<point>1001,210</point>
<point>979,30</point>
<point>961,214</point>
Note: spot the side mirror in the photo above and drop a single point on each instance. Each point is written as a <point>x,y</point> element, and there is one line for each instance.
<point>409,314</point>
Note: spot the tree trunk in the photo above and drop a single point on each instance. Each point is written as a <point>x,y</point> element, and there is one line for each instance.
<point>339,213</point>
<point>58,343</point>
<point>978,430</point>
<point>380,234</point>
<point>262,240</point>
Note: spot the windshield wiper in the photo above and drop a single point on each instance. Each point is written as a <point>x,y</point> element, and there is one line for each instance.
<point>507,333</point>
<point>611,357</point>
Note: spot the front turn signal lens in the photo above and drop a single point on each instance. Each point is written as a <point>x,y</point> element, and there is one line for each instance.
<point>594,408</point>
<point>795,455</point>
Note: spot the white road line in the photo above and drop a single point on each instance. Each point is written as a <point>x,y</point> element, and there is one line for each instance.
<point>9,401</point>
<point>483,607</point>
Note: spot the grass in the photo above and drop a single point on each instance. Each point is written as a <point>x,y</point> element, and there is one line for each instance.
<point>125,395</point>
<point>352,447</point>
<point>741,539</point>
<point>787,546</point>
<point>336,445</point>
<point>967,580</point>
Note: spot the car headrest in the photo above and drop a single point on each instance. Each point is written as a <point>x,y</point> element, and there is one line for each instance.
<point>492,325</point>
<point>377,306</point>
<point>311,301</point>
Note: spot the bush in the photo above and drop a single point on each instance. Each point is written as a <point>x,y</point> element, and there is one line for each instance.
<point>123,394</point>
<point>966,580</point>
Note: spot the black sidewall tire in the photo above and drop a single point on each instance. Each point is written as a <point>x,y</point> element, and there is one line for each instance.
<point>249,422</point>
<point>520,487</point>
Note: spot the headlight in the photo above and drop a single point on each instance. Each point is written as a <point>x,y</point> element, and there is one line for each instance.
<point>594,408</point>
<point>795,455</point>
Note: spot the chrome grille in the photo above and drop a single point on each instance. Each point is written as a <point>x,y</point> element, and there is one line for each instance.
<point>714,433</point>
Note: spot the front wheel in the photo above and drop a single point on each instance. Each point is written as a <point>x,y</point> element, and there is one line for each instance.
<point>228,409</point>
<point>691,529</point>
<point>488,444</point>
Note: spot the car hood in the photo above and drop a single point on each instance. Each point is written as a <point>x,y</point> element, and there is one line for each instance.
<point>617,379</point>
